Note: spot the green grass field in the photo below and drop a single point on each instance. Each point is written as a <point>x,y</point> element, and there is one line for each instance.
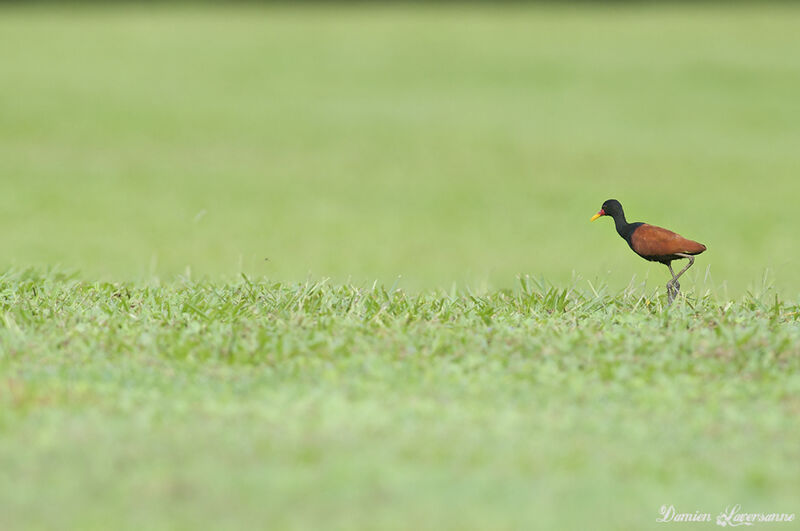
<point>331,266</point>
<point>265,405</point>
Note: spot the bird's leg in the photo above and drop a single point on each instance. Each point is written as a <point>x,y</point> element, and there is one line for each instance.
<point>674,281</point>
<point>682,271</point>
<point>676,287</point>
<point>671,290</point>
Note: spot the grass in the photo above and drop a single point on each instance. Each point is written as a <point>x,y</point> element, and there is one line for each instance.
<point>440,143</point>
<point>258,403</point>
<point>193,162</point>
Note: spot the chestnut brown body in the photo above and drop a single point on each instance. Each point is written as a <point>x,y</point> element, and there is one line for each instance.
<point>661,245</point>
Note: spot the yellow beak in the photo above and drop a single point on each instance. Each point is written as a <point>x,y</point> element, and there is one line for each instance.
<point>596,216</point>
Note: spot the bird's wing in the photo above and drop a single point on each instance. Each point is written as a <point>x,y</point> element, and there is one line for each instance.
<point>649,240</point>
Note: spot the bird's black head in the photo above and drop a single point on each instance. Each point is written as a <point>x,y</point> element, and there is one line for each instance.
<point>612,208</point>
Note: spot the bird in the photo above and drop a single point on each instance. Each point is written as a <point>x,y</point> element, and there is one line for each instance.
<point>654,244</point>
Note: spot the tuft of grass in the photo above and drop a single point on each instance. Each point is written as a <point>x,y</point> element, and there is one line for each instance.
<point>194,403</point>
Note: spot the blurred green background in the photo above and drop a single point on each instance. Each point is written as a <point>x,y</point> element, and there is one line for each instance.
<point>441,143</point>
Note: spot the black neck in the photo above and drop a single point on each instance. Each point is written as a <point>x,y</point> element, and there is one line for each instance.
<point>620,222</point>
<point>624,229</point>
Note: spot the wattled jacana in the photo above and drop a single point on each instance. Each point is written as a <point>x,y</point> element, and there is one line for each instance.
<point>653,243</point>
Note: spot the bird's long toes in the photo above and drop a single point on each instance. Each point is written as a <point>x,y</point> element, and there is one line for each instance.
<point>673,287</point>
